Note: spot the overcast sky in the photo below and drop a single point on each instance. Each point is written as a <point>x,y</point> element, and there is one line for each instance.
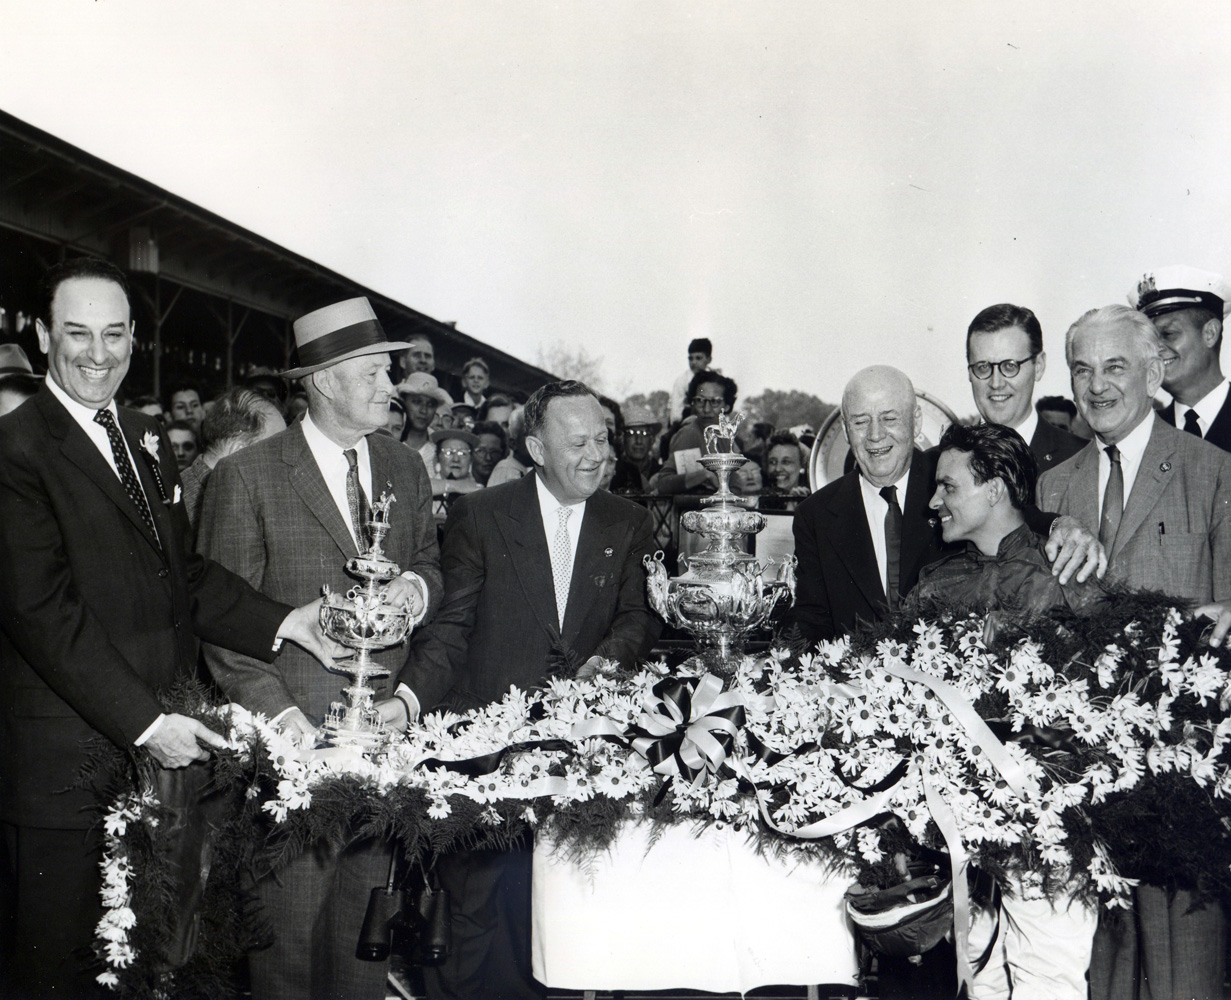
<point>815,186</point>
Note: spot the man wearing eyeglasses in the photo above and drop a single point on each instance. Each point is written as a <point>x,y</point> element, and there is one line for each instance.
<point>1004,361</point>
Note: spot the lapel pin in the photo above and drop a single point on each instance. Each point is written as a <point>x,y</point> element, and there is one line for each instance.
<point>608,552</point>
<point>1165,467</point>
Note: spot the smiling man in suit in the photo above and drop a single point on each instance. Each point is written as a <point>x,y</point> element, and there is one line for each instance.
<point>101,606</point>
<point>287,514</point>
<point>543,576</point>
<point>862,539</point>
<point>1004,361</point>
<point>1161,500</point>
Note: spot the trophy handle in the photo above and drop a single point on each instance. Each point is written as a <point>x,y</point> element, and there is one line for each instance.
<point>419,582</point>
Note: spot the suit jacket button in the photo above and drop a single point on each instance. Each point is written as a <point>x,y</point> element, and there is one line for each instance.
<point>163,573</point>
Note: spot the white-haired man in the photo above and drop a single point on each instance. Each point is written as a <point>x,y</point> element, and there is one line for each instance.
<point>1160,500</point>
<point>287,514</point>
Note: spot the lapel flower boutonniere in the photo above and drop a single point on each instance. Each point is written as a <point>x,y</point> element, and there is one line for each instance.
<point>149,447</point>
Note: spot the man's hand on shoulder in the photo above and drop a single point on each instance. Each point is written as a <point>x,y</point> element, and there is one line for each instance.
<point>1074,550</point>
<point>1220,613</point>
<point>302,627</point>
<point>180,740</point>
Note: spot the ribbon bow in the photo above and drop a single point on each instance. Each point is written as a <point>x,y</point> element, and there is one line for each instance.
<point>688,727</point>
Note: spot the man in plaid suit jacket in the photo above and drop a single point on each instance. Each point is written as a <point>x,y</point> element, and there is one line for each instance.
<point>1161,500</point>
<point>279,514</point>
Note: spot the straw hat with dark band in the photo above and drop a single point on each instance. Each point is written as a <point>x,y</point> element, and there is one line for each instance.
<point>336,333</point>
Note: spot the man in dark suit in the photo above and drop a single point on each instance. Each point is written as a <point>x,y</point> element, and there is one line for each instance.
<point>1004,361</point>
<point>1159,498</point>
<point>101,606</point>
<point>287,514</point>
<point>1187,308</point>
<point>543,576</point>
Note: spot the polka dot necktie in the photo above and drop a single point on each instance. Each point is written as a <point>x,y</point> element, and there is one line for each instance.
<point>562,560</point>
<point>128,475</point>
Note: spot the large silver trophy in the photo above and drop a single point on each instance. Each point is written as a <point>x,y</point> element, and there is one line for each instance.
<point>364,619</point>
<point>725,593</point>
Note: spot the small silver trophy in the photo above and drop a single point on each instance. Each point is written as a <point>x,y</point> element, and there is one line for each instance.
<point>364,619</point>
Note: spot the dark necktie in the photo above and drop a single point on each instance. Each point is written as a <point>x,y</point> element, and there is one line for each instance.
<point>1113,501</point>
<point>357,500</point>
<point>1191,423</point>
<point>128,475</point>
<point>893,544</point>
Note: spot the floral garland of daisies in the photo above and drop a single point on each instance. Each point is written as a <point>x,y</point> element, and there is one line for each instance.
<point>1112,716</point>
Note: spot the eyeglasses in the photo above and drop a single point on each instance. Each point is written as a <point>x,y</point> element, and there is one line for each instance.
<point>983,369</point>
<point>455,452</point>
<point>708,402</point>
<point>488,452</point>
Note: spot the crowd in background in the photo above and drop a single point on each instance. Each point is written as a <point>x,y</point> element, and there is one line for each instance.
<point>470,437</point>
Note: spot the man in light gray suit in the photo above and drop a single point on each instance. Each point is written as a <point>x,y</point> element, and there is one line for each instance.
<point>1161,500</point>
<point>286,514</point>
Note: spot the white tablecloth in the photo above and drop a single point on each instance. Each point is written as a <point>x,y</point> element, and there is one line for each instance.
<point>697,910</point>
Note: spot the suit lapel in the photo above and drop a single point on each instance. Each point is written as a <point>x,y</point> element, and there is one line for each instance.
<point>1220,430</point>
<point>1081,492</point>
<point>852,540</point>
<point>77,447</point>
<point>1157,467</point>
<point>307,481</point>
<point>594,566</point>
<point>522,528</point>
<point>382,475</point>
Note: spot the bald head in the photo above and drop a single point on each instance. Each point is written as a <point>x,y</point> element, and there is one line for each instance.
<point>879,413</point>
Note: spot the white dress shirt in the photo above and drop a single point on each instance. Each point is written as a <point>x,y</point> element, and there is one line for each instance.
<point>1132,448</point>
<point>1028,426</point>
<point>875,508</point>
<point>1207,408</point>
<point>331,460</point>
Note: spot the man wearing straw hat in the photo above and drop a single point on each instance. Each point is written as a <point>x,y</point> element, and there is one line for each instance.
<point>286,514</point>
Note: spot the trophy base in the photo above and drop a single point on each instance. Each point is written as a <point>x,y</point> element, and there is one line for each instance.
<point>335,735</point>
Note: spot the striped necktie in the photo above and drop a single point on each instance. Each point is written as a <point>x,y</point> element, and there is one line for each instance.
<point>357,501</point>
<point>1113,501</point>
